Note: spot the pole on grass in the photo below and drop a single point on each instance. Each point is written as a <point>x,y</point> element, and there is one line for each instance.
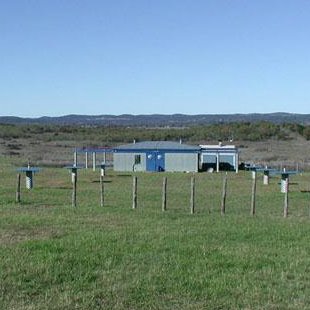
<point>101,191</point>
<point>253,202</point>
<point>18,188</point>
<point>74,181</point>
<point>285,210</point>
<point>134,192</point>
<point>75,157</point>
<point>74,169</point>
<point>224,192</point>
<point>164,195</point>
<point>192,195</point>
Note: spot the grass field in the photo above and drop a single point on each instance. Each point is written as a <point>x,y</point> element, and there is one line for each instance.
<point>54,256</point>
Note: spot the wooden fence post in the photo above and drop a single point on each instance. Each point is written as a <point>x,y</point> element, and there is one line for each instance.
<point>208,205</point>
<point>164,195</point>
<point>223,205</point>
<point>192,195</point>
<point>253,205</point>
<point>134,192</point>
<point>101,191</point>
<point>18,188</point>
<point>74,181</point>
<point>285,211</point>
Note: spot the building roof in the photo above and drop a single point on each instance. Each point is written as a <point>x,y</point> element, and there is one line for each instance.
<point>158,145</point>
<point>218,147</point>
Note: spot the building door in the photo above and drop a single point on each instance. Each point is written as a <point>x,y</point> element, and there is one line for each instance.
<point>155,161</point>
<point>160,161</point>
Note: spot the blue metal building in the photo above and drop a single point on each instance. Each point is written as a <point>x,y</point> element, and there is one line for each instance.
<point>156,156</point>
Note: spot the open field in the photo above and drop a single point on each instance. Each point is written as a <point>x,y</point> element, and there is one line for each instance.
<point>54,256</point>
<point>54,145</point>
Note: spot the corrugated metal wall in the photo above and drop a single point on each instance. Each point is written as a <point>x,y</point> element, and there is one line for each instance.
<point>125,162</point>
<point>173,162</point>
<point>181,162</point>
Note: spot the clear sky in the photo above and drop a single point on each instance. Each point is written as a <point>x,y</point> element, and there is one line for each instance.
<point>61,57</point>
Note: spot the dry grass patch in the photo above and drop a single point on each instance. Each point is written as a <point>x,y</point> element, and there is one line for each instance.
<point>17,235</point>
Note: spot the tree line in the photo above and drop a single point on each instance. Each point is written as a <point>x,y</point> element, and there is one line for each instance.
<point>240,131</point>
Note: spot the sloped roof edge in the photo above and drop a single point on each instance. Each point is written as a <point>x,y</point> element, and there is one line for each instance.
<point>158,145</point>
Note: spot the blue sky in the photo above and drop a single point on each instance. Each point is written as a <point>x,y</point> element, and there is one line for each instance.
<point>142,56</point>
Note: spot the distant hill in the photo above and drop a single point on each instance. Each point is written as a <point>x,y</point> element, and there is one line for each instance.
<point>159,120</point>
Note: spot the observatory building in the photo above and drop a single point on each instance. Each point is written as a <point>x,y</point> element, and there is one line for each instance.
<point>156,156</point>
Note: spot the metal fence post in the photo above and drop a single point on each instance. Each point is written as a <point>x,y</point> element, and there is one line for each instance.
<point>253,195</point>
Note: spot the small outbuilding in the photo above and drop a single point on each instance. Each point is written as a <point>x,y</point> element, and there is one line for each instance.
<point>156,156</point>
<point>219,157</point>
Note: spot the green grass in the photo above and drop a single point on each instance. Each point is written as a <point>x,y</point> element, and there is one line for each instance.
<point>56,257</point>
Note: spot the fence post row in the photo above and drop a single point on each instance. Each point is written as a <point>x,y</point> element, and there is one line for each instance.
<point>164,193</point>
